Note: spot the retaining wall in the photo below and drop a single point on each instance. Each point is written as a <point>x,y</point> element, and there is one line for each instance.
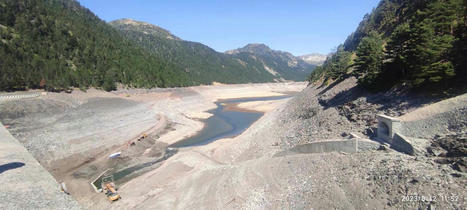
<point>25,184</point>
<point>348,146</point>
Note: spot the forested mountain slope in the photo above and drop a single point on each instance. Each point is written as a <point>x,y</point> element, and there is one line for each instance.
<point>419,43</point>
<point>205,65</point>
<point>58,43</point>
<point>202,64</point>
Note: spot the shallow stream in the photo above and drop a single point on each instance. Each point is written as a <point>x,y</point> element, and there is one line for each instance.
<point>223,123</point>
<point>226,123</point>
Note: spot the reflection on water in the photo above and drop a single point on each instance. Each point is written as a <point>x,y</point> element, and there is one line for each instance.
<point>225,123</point>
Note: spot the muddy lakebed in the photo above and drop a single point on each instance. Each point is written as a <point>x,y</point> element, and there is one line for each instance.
<point>227,120</point>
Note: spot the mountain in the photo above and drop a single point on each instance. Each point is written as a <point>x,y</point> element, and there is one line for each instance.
<point>259,49</point>
<point>314,58</point>
<point>276,62</point>
<point>201,63</point>
<point>146,28</point>
<point>419,44</point>
<point>58,44</point>
<point>205,65</point>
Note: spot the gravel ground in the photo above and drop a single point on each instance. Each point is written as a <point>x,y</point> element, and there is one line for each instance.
<point>71,135</point>
<point>58,127</point>
<point>389,177</point>
<point>243,173</point>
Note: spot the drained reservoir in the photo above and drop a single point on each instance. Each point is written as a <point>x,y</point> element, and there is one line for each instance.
<point>226,123</point>
<point>223,123</point>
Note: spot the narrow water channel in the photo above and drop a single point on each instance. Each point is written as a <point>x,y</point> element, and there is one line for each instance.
<point>225,123</point>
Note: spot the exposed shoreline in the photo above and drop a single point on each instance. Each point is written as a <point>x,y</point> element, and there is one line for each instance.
<point>93,118</point>
<point>240,172</point>
<point>243,173</point>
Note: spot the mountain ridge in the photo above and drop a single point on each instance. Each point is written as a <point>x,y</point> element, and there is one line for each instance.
<point>199,59</point>
<point>142,26</point>
<point>60,44</point>
<point>281,62</point>
<point>56,45</point>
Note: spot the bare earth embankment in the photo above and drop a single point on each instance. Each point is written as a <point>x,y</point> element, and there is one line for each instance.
<point>71,135</point>
<point>245,173</point>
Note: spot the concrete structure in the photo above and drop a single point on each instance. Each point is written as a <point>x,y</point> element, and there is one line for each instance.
<point>25,184</point>
<point>349,146</point>
<point>402,144</point>
<point>389,130</point>
<point>387,127</point>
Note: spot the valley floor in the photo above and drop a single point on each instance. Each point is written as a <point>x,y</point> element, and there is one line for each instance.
<point>71,135</point>
<point>246,172</point>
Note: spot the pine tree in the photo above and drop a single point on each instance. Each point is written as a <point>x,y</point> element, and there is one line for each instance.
<point>369,59</point>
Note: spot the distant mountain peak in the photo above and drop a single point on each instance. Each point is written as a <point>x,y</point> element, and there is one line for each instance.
<point>147,28</point>
<point>314,58</point>
<point>256,48</point>
<point>276,62</point>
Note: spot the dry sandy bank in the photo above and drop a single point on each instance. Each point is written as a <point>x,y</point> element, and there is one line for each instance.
<point>72,134</point>
<point>243,173</point>
<point>185,106</point>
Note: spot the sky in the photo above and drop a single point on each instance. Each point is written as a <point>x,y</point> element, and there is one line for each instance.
<point>296,26</point>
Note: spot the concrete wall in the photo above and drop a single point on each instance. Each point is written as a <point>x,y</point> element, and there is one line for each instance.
<point>25,184</point>
<point>402,144</point>
<point>349,146</point>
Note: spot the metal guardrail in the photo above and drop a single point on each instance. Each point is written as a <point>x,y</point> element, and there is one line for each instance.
<point>11,97</point>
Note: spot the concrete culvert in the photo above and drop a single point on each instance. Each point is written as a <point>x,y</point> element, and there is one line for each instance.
<point>383,128</point>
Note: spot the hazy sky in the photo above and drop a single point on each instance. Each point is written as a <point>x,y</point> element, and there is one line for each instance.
<point>299,27</point>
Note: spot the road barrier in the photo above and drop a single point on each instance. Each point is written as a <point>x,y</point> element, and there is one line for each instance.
<point>11,97</point>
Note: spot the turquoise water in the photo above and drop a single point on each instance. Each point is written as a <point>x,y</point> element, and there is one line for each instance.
<point>225,123</point>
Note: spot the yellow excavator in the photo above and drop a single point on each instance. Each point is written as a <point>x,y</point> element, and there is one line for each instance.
<point>108,186</point>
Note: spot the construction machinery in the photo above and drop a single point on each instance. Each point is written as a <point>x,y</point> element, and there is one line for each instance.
<point>142,137</point>
<point>108,186</point>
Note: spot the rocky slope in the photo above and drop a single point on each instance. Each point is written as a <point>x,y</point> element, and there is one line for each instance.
<point>245,172</point>
<point>145,28</point>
